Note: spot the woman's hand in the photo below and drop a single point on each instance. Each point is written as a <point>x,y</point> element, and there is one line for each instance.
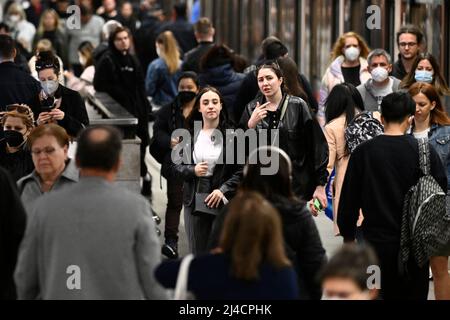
<point>201,169</point>
<point>57,114</point>
<point>214,198</point>
<point>69,75</point>
<point>258,114</point>
<point>44,117</point>
<point>174,142</point>
<point>320,195</point>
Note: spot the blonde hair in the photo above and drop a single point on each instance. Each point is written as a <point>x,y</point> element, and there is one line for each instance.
<point>44,45</point>
<point>340,43</point>
<point>252,235</point>
<point>169,53</point>
<point>16,7</point>
<point>55,15</point>
<point>27,116</point>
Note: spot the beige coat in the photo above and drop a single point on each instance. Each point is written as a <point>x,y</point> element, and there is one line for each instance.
<point>338,158</point>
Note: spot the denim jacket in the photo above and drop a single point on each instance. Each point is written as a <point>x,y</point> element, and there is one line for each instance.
<point>160,84</point>
<point>439,138</point>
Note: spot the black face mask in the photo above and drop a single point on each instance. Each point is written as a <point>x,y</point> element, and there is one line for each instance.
<point>13,138</point>
<point>186,96</point>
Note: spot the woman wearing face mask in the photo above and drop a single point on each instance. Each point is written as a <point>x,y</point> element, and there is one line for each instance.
<point>58,104</point>
<point>83,84</point>
<point>21,30</point>
<point>426,69</point>
<point>299,134</point>
<point>432,122</point>
<point>210,178</point>
<point>169,118</point>
<point>348,64</point>
<point>17,123</point>
<point>163,72</point>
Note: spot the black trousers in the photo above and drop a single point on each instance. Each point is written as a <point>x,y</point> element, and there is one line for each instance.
<point>174,206</point>
<point>394,286</point>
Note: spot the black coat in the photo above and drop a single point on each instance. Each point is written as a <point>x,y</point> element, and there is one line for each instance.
<point>168,118</point>
<point>192,58</point>
<point>398,70</point>
<point>224,79</point>
<point>302,241</point>
<point>303,140</point>
<point>183,32</point>
<point>75,118</point>
<point>226,177</point>
<point>17,86</point>
<point>121,77</point>
<point>12,229</point>
<point>18,164</point>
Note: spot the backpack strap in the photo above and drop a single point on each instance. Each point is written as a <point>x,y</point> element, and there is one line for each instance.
<point>424,156</point>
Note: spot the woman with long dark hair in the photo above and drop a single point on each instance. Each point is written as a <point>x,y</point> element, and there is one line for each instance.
<point>208,181</point>
<point>341,106</point>
<point>300,136</point>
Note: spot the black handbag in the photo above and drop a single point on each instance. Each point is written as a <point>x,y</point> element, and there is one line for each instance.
<point>200,207</point>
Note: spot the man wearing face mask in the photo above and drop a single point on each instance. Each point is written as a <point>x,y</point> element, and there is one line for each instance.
<point>17,123</point>
<point>169,118</point>
<point>381,84</point>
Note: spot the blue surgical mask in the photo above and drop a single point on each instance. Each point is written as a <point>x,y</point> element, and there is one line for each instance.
<point>49,86</point>
<point>424,76</point>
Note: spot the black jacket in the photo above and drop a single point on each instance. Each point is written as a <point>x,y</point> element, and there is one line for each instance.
<point>183,32</point>
<point>192,58</point>
<point>398,70</point>
<point>75,117</point>
<point>224,79</point>
<point>17,86</point>
<point>168,118</point>
<point>226,177</point>
<point>121,77</point>
<point>12,229</point>
<point>303,140</point>
<point>302,243</point>
<point>18,164</point>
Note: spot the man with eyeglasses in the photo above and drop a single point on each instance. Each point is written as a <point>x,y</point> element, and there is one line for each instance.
<point>409,39</point>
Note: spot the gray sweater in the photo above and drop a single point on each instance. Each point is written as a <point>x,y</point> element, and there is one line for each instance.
<point>369,96</point>
<point>90,240</point>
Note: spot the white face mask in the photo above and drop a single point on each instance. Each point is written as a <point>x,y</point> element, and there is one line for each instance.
<point>158,51</point>
<point>379,74</point>
<point>352,53</point>
<point>14,18</point>
<point>49,86</point>
<point>82,60</point>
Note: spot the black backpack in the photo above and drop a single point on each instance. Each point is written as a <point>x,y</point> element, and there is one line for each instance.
<point>362,128</point>
<point>425,229</point>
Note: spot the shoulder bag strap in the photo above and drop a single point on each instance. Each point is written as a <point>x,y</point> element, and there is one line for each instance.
<point>182,279</point>
<point>424,156</point>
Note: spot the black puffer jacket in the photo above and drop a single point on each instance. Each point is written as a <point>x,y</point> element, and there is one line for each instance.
<point>303,140</point>
<point>302,243</point>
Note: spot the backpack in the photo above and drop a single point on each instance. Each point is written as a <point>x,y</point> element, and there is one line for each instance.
<point>425,228</point>
<point>362,128</point>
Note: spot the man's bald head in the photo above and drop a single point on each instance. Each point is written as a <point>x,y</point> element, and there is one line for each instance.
<point>99,147</point>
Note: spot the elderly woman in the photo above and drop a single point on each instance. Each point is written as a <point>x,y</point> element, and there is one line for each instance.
<point>53,169</point>
<point>17,123</point>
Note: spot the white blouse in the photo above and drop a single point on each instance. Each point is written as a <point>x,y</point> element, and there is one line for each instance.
<point>205,150</point>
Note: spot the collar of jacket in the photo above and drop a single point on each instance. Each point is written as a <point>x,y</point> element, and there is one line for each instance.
<point>336,65</point>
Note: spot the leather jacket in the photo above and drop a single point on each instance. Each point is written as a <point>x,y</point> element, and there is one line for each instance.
<point>302,138</point>
<point>226,177</point>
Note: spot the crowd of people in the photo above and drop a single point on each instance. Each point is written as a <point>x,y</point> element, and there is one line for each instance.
<point>252,234</point>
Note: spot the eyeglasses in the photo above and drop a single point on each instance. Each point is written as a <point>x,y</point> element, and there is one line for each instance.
<point>409,44</point>
<point>19,108</point>
<point>47,150</point>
